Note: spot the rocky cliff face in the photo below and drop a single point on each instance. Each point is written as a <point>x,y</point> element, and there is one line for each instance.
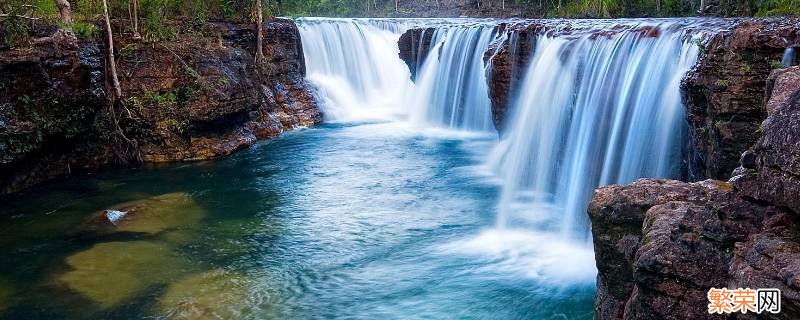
<point>506,61</point>
<point>414,45</point>
<point>49,100</point>
<point>198,97</point>
<point>725,92</point>
<point>661,245</point>
<point>206,98</point>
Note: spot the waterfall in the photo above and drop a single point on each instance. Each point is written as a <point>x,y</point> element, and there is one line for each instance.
<point>355,65</point>
<point>451,89</point>
<point>597,103</point>
<point>788,57</point>
<point>591,110</point>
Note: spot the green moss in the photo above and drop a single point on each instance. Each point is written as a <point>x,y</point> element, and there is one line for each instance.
<point>162,99</point>
<point>747,68</point>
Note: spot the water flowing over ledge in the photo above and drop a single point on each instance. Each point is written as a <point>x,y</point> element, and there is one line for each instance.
<point>354,63</point>
<point>596,103</point>
<point>592,110</point>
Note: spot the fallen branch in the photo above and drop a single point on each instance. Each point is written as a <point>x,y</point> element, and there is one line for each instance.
<point>16,16</point>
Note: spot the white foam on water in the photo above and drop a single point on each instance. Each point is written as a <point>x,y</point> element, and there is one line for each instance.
<point>543,256</point>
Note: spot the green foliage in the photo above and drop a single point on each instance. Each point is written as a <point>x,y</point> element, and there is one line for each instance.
<point>84,29</point>
<point>154,13</point>
<point>172,98</point>
<point>161,20</point>
<point>162,99</point>
<point>778,7</point>
<point>176,126</point>
<point>15,32</point>
<point>44,8</point>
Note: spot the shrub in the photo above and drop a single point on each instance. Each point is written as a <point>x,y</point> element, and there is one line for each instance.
<point>84,29</point>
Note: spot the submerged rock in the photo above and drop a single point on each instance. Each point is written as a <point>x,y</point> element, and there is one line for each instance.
<point>153,215</point>
<point>6,294</point>
<point>216,294</point>
<point>113,272</point>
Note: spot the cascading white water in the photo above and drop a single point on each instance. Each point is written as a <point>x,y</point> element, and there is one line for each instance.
<point>592,110</point>
<point>451,89</point>
<point>355,64</point>
<point>788,57</point>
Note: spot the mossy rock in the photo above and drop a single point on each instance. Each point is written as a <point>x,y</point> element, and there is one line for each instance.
<point>216,294</point>
<point>167,212</point>
<point>112,272</point>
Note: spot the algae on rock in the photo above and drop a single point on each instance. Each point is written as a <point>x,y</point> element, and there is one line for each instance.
<point>216,294</point>
<point>154,215</point>
<point>112,272</point>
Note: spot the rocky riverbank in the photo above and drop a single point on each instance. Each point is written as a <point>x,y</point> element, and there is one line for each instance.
<point>661,245</point>
<point>197,97</point>
<point>725,92</point>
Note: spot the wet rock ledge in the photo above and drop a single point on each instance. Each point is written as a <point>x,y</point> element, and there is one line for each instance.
<point>661,244</point>
<point>199,96</point>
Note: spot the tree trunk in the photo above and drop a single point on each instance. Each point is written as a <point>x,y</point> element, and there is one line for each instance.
<point>260,33</point>
<point>65,11</point>
<point>136,34</point>
<point>111,61</point>
<point>396,6</point>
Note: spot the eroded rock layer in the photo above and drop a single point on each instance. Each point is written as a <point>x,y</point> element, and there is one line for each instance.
<point>660,245</point>
<point>197,97</point>
<point>724,94</point>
